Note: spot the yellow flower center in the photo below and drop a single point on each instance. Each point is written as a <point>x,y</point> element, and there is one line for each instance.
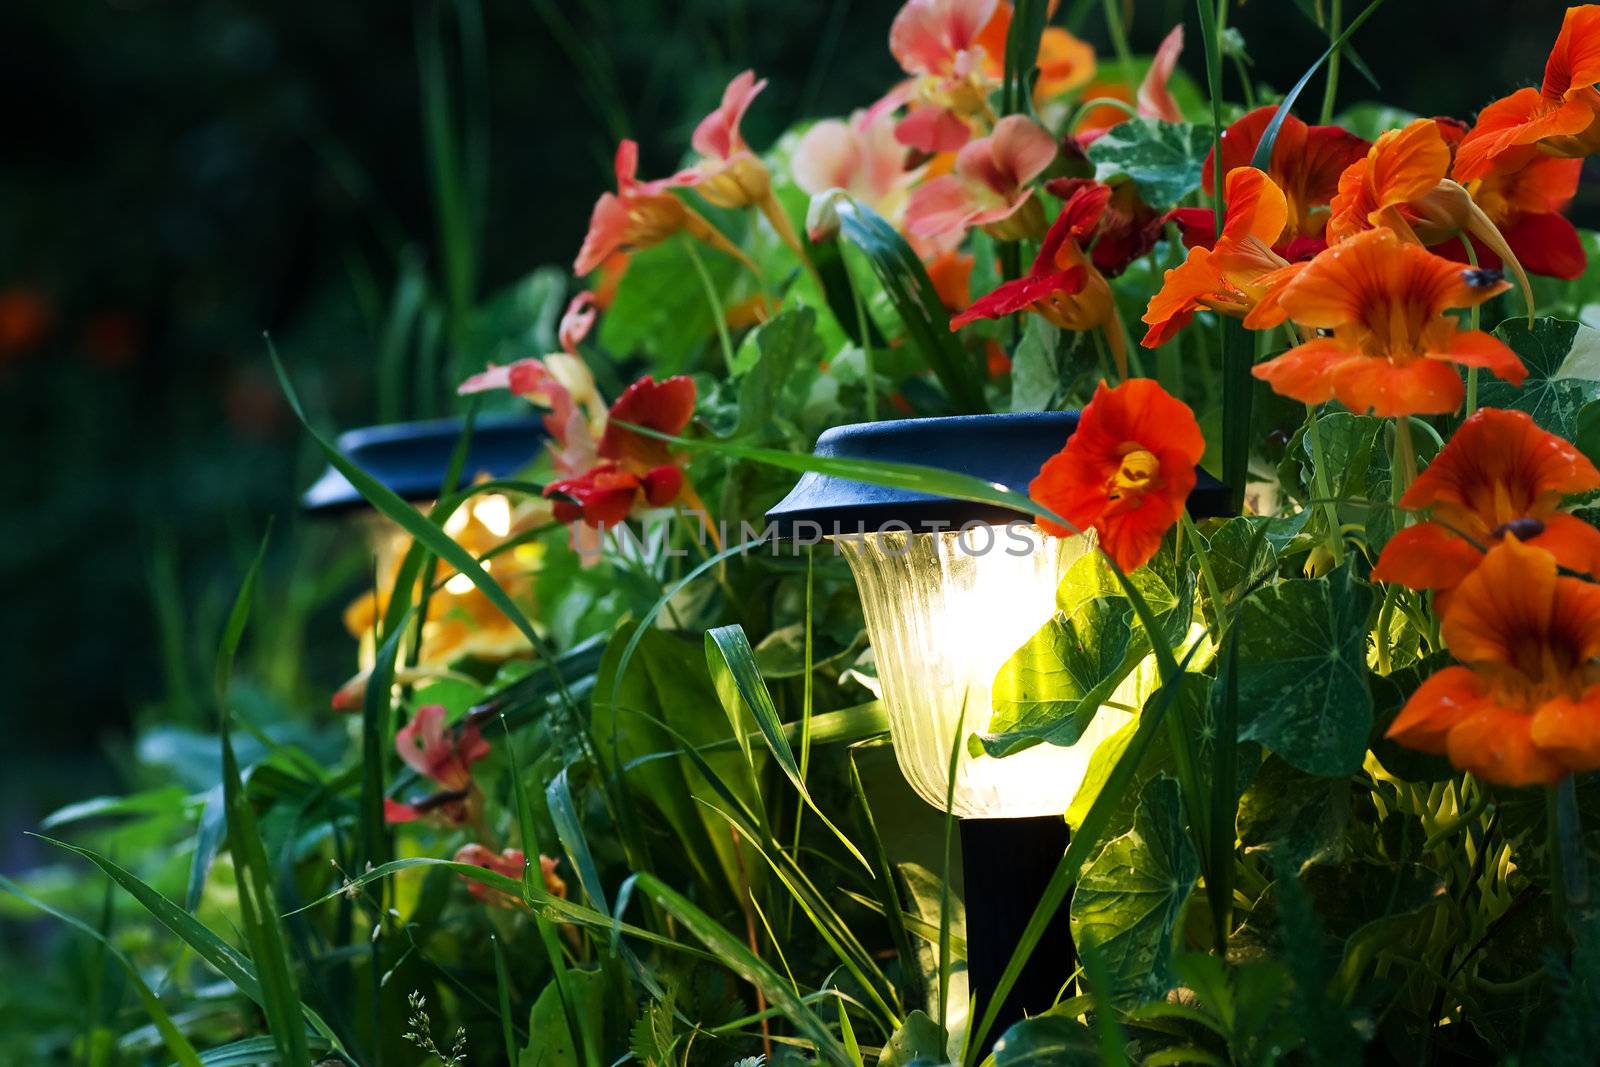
<point>1138,472</point>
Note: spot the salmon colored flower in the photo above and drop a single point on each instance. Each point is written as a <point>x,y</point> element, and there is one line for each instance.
<point>940,44</point>
<point>860,156</point>
<point>608,278</point>
<point>1062,286</point>
<point>989,187</point>
<point>641,214</point>
<point>1241,276</point>
<point>1306,164</point>
<point>1560,118</point>
<point>1125,472</point>
<point>1525,708</point>
<point>1155,99</point>
<point>428,747</point>
<point>729,174</point>
<point>1392,350</point>
<point>1499,477</point>
<point>577,321</point>
<point>1128,226</point>
<point>562,383</point>
<point>509,862</point>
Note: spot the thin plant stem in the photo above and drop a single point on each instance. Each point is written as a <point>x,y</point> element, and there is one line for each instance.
<point>1473,318</point>
<point>1119,37</point>
<point>1319,477</point>
<point>716,303</point>
<point>1207,575</point>
<point>866,347</point>
<point>1330,87</point>
<point>1406,456</point>
<point>1569,872</point>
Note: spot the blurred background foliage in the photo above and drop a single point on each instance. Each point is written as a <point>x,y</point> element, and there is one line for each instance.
<point>375,184</point>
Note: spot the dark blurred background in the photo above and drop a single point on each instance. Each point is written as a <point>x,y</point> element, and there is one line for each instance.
<point>178,177</point>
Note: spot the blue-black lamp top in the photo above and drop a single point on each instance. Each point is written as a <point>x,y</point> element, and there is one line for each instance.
<point>412,458</point>
<point>1008,449</point>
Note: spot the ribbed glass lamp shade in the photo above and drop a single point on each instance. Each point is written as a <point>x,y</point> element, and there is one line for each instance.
<point>944,612</point>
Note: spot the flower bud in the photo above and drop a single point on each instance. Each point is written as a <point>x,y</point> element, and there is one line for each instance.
<point>822,216</point>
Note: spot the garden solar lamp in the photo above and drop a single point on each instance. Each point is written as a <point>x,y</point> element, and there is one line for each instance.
<point>950,589</point>
<point>413,459</point>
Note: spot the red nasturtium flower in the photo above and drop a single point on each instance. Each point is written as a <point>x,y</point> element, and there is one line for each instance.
<point>1241,275</point>
<point>1128,227</point>
<point>989,186</point>
<point>1306,164</point>
<point>1062,285</point>
<point>1499,477</point>
<point>632,467</point>
<point>428,747</point>
<point>1125,472</point>
<point>1392,350</point>
<point>509,862</point>
<point>1524,194</point>
<point>1560,118</point>
<point>1525,709</point>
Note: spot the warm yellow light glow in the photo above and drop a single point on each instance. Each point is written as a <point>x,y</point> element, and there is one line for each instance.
<point>458,584</point>
<point>457,521</point>
<point>944,612</point>
<point>494,512</point>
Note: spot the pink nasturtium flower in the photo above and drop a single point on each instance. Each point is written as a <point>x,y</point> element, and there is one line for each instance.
<point>509,862</point>
<point>632,469</point>
<point>427,746</point>
<point>859,155</point>
<point>939,43</point>
<point>989,187</point>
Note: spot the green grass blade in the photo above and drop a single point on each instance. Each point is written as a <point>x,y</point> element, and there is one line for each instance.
<point>280,993</point>
<point>1022,56</point>
<point>735,955</point>
<point>916,301</point>
<point>883,872</point>
<point>176,1043</point>
<point>502,982</point>
<point>727,648</point>
<point>223,957</point>
<point>564,813</point>
<point>1269,136</point>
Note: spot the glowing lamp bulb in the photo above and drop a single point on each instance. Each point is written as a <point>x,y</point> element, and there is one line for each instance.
<point>944,612</point>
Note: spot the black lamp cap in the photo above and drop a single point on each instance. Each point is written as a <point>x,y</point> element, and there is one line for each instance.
<point>1008,449</point>
<point>412,458</point>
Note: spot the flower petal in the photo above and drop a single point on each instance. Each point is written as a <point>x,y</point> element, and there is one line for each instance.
<point>1442,702</point>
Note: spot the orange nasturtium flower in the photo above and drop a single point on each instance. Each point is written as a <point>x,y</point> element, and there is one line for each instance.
<point>428,747</point>
<point>1306,164</point>
<point>1392,349</point>
<point>990,186</point>
<point>1499,477</point>
<point>1125,472</point>
<point>1241,275</point>
<point>1524,195</point>
<point>1561,117</point>
<point>1525,709</point>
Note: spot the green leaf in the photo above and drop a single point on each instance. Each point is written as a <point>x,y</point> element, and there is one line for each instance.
<point>1048,1040</point>
<point>1294,816</point>
<point>1356,450</point>
<point>660,309</point>
<point>919,1038</point>
<point>1130,901</point>
<point>551,1044</point>
<point>1303,673</point>
<point>1240,557</point>
<point>1048,365</point>
<point>253,1051</point>
<point>788,355</point>
<point>1563,361</point>
<point>1162,159</point>
<point>916,301</point>
<point>1051,688</point>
